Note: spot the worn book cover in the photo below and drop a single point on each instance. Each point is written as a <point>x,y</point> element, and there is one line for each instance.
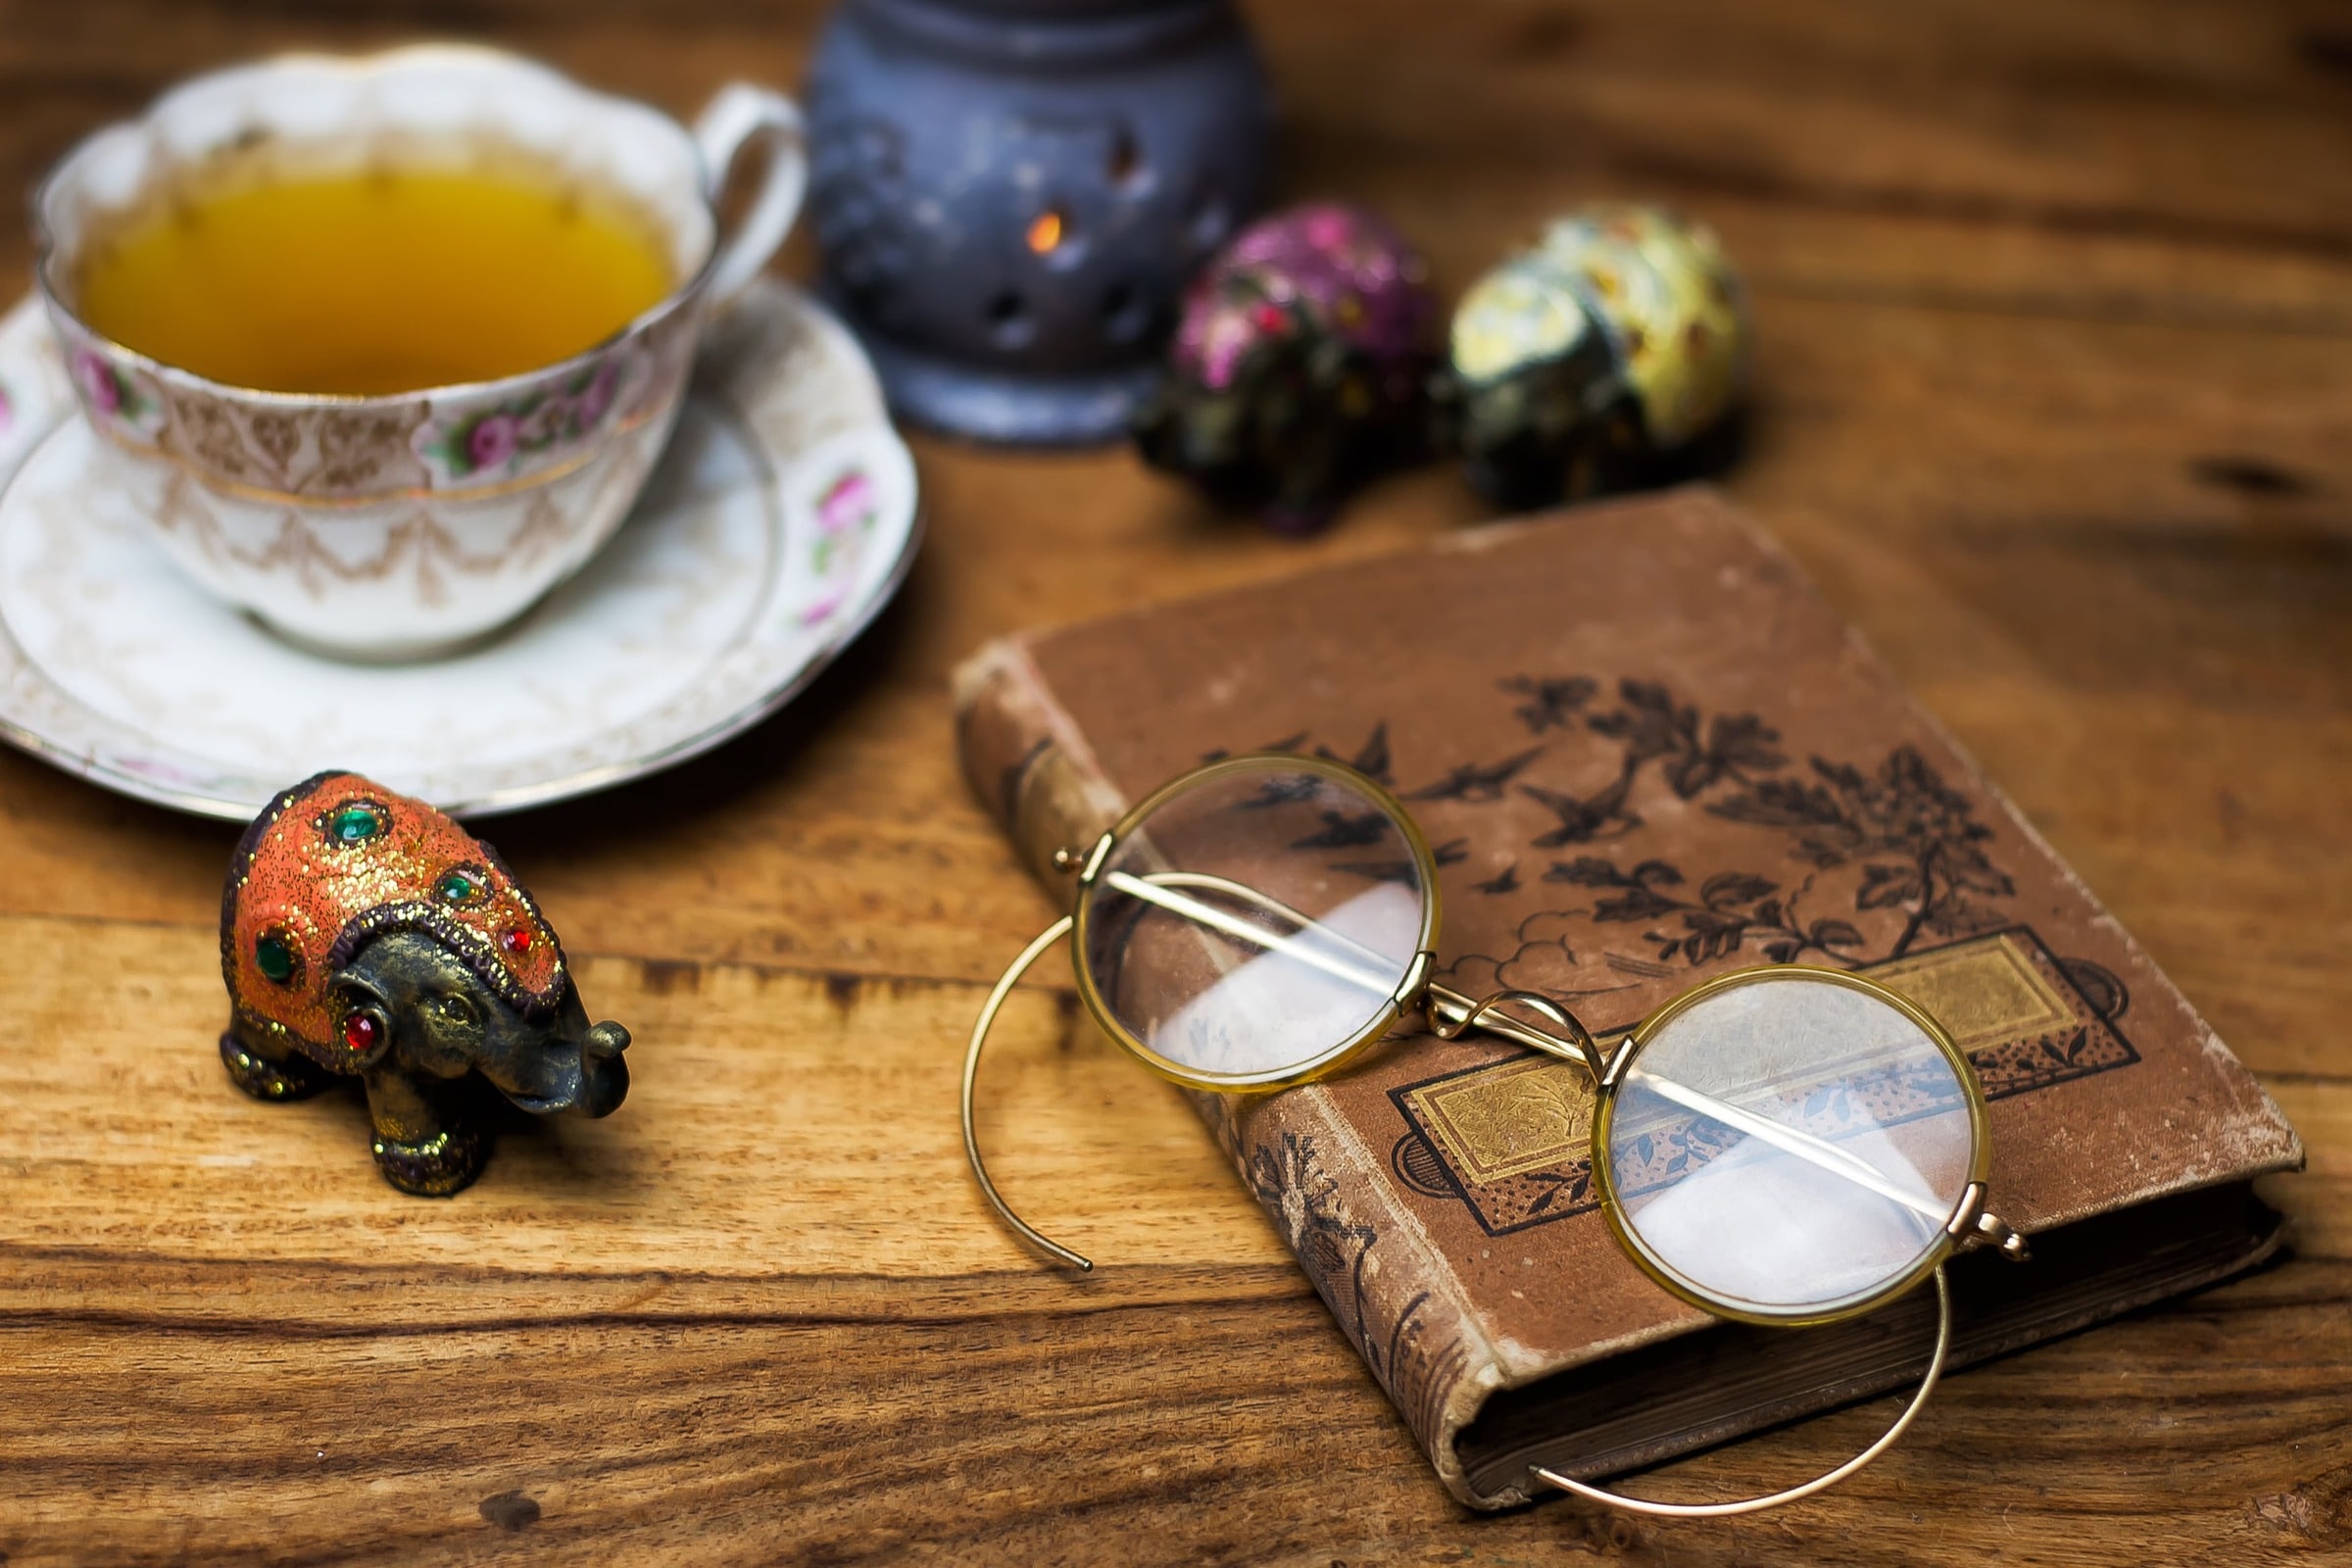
<point>1646,752</point>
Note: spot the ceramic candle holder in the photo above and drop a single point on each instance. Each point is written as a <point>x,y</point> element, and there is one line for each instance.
<point>387,528</point>
<point>1010,195</point>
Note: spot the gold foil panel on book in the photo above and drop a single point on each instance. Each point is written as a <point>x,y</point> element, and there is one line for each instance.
<point>1509,1139</point>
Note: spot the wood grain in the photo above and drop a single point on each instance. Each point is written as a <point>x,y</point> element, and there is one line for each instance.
<point>2053,310</point>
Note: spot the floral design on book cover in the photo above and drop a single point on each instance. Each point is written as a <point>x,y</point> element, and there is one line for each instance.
<point>1879,865</point>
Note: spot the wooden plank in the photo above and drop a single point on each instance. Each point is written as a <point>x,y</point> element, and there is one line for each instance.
<point>659,1339</point>
<point>2318,1200</point>
<point>778,1123</point>
<point>1121,1435</point>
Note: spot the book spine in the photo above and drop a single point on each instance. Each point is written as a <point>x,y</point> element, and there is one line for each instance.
<point>1320,1185</point>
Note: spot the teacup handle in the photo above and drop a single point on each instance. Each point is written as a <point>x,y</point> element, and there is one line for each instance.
<point>740,115</point>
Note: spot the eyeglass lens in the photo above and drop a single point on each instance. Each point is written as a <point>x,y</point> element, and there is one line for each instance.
<point>1790,1147</point>
<point>1255,921</point>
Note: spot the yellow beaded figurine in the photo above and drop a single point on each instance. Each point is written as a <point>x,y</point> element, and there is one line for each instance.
<point>1618,338</point>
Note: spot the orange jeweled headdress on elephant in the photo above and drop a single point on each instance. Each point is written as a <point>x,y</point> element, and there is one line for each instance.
<point>338,861</point>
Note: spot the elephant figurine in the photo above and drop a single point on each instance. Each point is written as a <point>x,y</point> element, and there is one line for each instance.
<point>1610,354</point>
<point>1296,371</point>
<point>365,933</point>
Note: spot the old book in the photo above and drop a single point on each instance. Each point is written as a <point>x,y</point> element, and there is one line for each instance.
<point>1646,751</point>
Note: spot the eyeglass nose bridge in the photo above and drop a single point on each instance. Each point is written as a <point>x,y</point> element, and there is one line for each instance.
<point>1452,1014</point>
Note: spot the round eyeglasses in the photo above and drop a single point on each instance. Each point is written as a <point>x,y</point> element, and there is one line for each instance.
<point>1263,921</point>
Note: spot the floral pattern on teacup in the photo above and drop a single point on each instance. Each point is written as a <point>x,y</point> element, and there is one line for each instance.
<point>113,395</point>
<point>478,442</point>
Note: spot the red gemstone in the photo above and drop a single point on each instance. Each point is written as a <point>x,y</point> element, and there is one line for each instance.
<point>360,1031</point>
<point>516,942</point>
<point>1270,318</point>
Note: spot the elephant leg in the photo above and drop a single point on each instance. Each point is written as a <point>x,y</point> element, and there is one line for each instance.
<point>1307,466</point>
<point>268,1071</point>
<point>425,1142</point>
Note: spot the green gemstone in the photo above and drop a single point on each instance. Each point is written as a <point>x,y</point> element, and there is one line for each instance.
<point>274,958</point>
<point>457,888</point>
<point>355,824</point>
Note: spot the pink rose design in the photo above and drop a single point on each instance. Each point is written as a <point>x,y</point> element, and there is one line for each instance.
<point>598,397</point>
<point>847,504</point>
<point>97,382</point>
<point>493,442</point>
<point>8,413</point>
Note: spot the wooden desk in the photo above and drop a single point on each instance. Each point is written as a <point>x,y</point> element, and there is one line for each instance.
<point>2056,365</point>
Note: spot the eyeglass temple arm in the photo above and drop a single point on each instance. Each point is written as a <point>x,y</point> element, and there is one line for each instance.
<point>1828,1478</point>
<point>971,1074</point>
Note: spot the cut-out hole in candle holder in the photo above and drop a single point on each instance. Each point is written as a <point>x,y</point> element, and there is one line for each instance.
<point>1125,315</point>
<point>1125,166</point>
<point>1009,322</point>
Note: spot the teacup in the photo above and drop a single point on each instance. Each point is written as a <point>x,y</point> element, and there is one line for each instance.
<point>399,525</point>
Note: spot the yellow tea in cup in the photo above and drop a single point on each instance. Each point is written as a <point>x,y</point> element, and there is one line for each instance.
<point>372,280</point>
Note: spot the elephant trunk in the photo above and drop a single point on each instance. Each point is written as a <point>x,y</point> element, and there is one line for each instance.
<point>603,1074</point>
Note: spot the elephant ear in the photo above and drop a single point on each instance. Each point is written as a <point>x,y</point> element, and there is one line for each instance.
<point>279,919</point>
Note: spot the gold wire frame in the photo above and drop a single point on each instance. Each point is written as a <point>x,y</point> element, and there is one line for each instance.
<point>1955,1226</point>
<point>1410,986</point>
<point>1450,1015</point>
<point>1803,1489</point>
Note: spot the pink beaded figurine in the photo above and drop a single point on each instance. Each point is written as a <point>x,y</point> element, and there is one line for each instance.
<point>1296,369</point>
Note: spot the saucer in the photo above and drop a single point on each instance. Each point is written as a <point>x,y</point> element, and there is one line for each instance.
<point>780,521</point>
